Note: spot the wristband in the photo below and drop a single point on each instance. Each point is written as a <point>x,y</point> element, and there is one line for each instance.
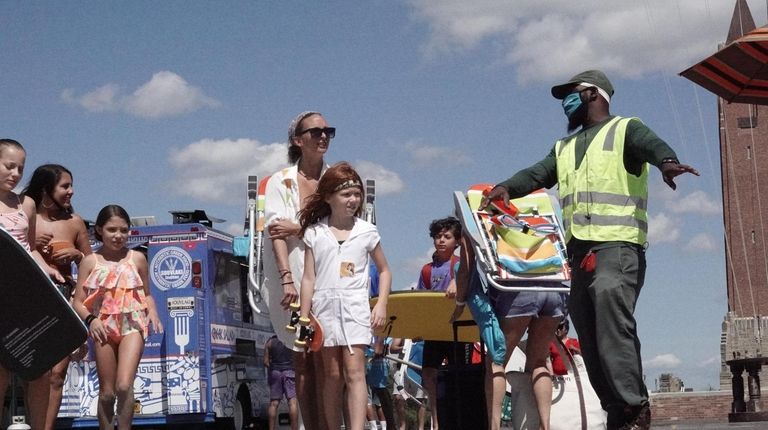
<point>89,319</point>
<point>460,303</point>
<point>287,283</point>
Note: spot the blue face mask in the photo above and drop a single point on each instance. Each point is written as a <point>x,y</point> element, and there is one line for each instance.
<point>571,103</point>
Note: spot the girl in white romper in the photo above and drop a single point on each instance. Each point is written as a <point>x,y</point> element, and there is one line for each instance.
<point>335,288</point>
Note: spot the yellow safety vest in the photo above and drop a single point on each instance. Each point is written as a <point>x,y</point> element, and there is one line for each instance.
<point>600,200</point>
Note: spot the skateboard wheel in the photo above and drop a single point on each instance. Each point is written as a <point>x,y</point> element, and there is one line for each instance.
<point>304,321</point>
<point>300,343</point>
<point>295,306</point>
<point>291,328</point>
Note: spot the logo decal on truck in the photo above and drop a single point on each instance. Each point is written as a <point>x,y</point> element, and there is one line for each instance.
<point>171,268</point>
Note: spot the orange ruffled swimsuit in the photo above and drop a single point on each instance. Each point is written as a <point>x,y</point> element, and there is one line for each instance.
<point>116,297</point>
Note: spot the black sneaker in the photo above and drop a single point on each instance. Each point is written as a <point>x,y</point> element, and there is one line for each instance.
<point>641,421</point>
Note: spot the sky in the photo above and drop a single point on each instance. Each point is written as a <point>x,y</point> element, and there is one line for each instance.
<point>161,106</point>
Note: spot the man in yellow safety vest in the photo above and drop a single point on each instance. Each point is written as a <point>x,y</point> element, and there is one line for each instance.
<point>601,170</point>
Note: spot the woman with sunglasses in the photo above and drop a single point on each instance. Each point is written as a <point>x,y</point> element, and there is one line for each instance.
<point>287,190</point>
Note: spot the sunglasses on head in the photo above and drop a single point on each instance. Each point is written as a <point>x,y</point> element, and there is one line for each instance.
<point>315,132</point>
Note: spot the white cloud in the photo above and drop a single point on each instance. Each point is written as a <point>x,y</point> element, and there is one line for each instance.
<point>213,170</point>
<point>429,155</point>
<point>413,266</point>
<point>387,181</point>
<point>701,242</point>
<point>663,361</point>
<point>166,94</point>
<point>216,170</point>
<point>549,40</point>
<point>235,229</point>
<point>715,359</point>
<point>697,202</point>
<point>662,229</point>
<point>102,99</point>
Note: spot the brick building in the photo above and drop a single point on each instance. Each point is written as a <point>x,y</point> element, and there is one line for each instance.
<point>744,169</point>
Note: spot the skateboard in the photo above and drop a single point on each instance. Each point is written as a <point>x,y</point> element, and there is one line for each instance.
<point>310,334</point>
<point>424,315</point>
<point>294,319</point>
<point>37,327</point>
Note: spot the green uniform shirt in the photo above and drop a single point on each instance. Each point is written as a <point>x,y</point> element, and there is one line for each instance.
<point>641,145</point>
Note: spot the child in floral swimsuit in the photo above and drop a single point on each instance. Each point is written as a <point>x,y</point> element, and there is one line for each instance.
<point>113,298</point>
<point>116,297</point>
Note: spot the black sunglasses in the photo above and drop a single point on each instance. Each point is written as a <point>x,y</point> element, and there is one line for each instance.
<point>315,132</point>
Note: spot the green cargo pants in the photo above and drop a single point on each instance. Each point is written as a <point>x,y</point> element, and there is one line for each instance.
<point>602,306</point>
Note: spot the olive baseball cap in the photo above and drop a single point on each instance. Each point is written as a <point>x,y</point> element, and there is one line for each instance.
<point>594,77</point>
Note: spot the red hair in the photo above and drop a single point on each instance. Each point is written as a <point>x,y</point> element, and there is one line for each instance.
<point>336,176</point>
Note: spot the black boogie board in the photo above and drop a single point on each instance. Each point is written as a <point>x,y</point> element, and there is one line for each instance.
<point>37,325</point>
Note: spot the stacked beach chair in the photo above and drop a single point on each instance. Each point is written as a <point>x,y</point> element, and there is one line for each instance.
<point>519,245</point>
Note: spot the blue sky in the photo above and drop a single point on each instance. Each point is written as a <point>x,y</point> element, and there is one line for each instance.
<point>162,106</point>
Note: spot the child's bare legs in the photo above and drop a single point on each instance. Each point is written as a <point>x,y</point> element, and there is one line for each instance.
<point>429,382</point>
<point>354,377</point>
<point>342,368</point>
<point>37,392</point>
<point>370,410</point>
<point>387,409</point>
<point>540,334</point>
<point>399,403</point>
<point>308,369</point>
<point>495,388</point>
<point>130,351</point>
<point>421,418</point>
<point>58,375</point>
<point>106,367</point>
<point>513,329</point>
<point>116,365</point>
<point>333,386</point>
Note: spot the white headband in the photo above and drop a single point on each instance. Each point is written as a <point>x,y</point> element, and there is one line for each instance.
<point>601,91</point>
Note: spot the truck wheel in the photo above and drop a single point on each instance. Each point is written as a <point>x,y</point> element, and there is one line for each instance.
<point>243,416</point>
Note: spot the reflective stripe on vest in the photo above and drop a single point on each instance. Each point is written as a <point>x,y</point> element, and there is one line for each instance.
<point>606,198</point>
<point>601,201</point>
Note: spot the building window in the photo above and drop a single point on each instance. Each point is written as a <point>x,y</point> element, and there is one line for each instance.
<point>746,121</point>
<point>749,152</point>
